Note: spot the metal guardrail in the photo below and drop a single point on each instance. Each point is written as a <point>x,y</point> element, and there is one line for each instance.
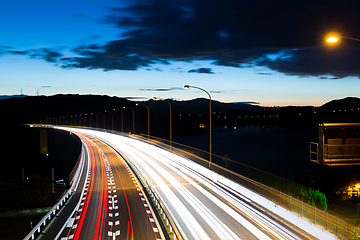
<point>312,152</point>
<point>75,181</point>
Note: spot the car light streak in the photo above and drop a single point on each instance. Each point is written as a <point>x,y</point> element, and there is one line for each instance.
<point>88,195</point>
<point>172,178</point>
<point>220,228</point>
<point>230,205</point>
<point>127,203</point>
<point>191,223</point>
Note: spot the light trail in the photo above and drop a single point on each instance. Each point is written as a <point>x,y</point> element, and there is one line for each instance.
<point>204,209</point>
<point>108,200</point>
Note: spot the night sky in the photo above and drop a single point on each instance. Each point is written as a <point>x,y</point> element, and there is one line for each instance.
<point>270,53</point>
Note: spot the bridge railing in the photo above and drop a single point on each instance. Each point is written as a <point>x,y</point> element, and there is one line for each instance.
<point>75,179</point>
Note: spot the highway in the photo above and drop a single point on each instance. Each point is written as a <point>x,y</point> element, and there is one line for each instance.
<point>112,205</point>
<point>201,208</point>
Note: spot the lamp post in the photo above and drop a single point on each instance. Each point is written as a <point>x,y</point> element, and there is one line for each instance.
<point>122,119</point>
<point>334,37</point>
<point>112,120</point>
<point>91,120</point>
<point>170,118</point>
<point>210,145</point>
<point>148,122</point>
<point>97,120</point>
<point>133,118</point>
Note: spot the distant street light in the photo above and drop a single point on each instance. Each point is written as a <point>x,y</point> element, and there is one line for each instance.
<point>170,118</point>
<point>91,120</point>
<point>188,86</point>
<point>133,118</point>
<point>148,122</point>
<point>334,37</point>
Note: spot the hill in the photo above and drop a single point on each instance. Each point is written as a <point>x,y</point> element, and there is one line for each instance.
<point>98,111</point>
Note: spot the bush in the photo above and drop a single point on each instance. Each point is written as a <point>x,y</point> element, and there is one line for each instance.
<point>312,197</point>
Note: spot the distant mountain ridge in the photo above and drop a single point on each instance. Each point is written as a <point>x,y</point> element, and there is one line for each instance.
<point>11,96</point>
<point>187,116</point>
<point>198,105</point>
<point>348,102</point>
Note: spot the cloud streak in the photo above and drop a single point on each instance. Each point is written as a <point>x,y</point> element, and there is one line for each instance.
<point>201,70</point>
<point>161,89</point>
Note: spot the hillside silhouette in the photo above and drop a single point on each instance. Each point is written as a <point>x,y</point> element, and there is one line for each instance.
<point>186,115</point>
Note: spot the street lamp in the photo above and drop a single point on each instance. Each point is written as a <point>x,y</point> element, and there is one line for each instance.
<point>97,120</point>
<point>91,120</point>
<point>170,118</point>
<point>148,118</point>
<point>188,86</point>
<point>133,118</point>
<point>334,37</point>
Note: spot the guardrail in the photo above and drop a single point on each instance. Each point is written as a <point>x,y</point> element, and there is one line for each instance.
<point>74,183</point>
<point>314,152</point>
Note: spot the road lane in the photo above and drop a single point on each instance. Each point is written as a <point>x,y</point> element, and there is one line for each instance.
<point>112,205</point>
<point>203,209</point>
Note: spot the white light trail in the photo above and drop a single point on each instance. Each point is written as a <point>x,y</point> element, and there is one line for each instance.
<point>172,178</point>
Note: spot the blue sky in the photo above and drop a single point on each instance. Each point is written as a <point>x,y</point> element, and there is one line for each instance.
<point>273,55</point>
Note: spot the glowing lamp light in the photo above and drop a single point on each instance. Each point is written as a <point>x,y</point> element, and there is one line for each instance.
<point>332,39</point>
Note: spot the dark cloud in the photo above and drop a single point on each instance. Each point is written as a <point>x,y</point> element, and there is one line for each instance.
<point>252,103</point>
<point>317,61</point>
<point>265,73</point>
<point>46,86</point>
<point>18,52</point>
<point>286,36</point>
<point>229,32</point>
<point>201,70</point>
<point>107,63</point>
<point>161,89</point>
<point>134,98</point>
<point>46,54</point>
<point>4,50</point>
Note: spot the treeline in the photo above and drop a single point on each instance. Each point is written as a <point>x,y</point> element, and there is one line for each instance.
<point>305,194</point>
